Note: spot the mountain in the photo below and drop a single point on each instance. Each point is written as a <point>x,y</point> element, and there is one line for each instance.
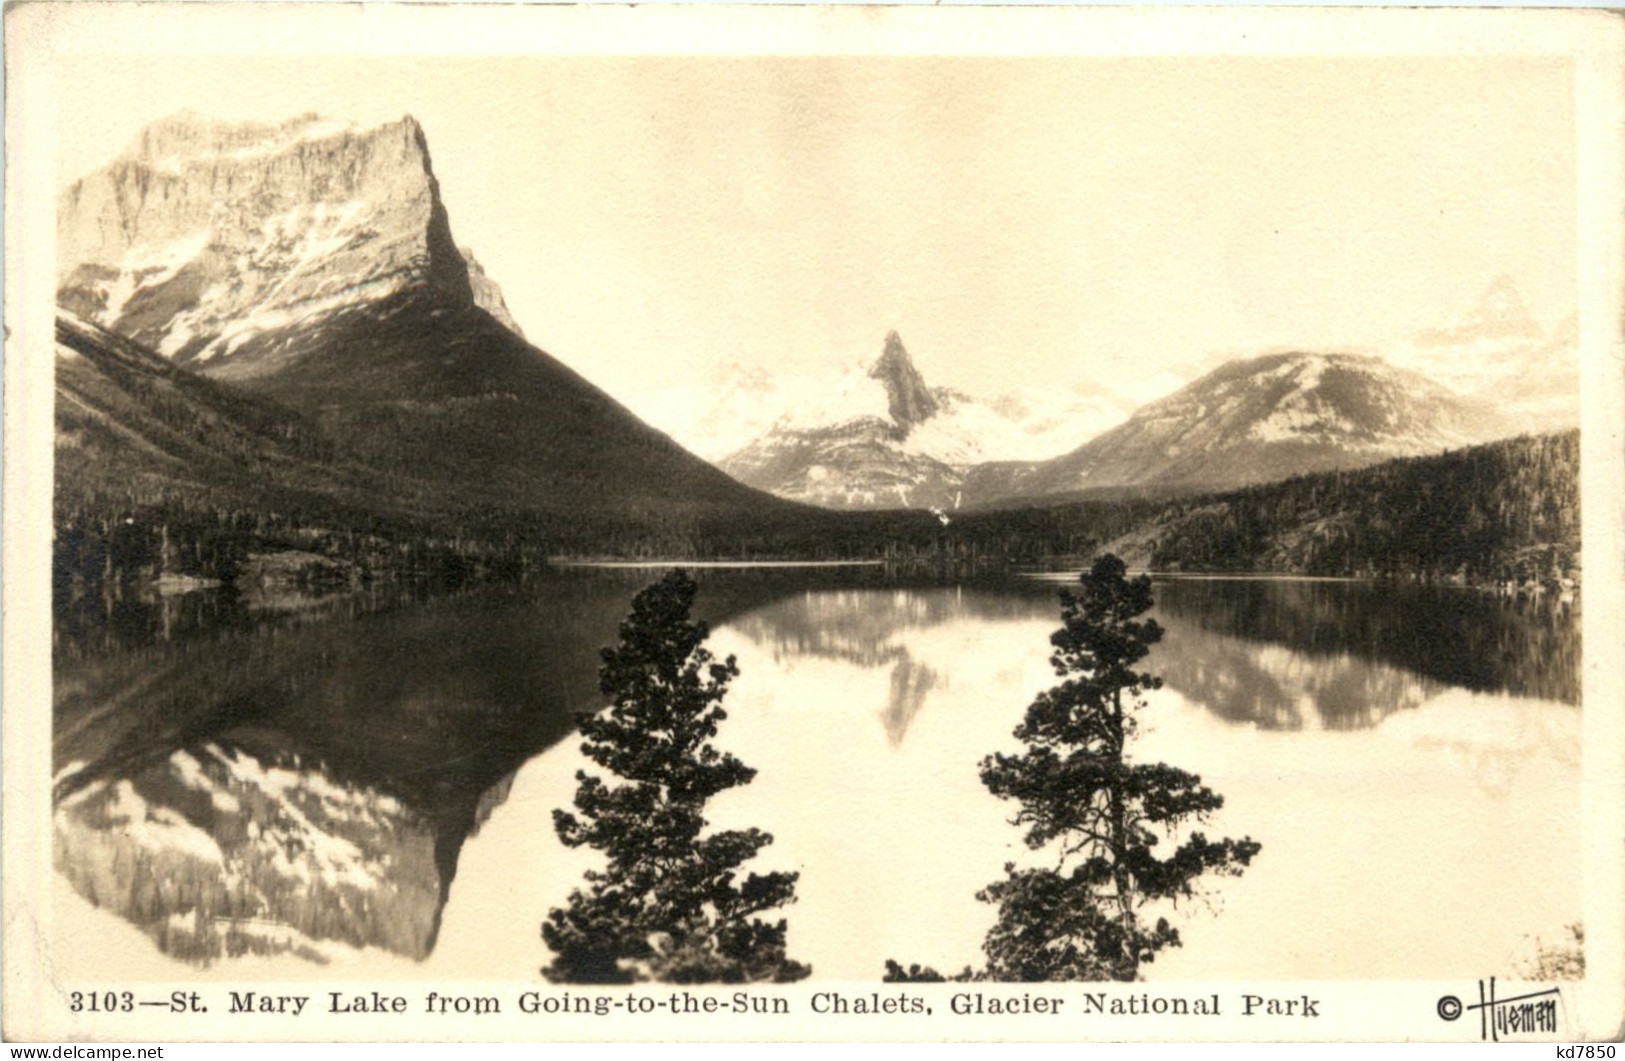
<point>312,263</point>
<point>737,404</point>
<point>204,236</point>
<point>879,436</point>
<point>847,443</point>
<point>1502,512</point>
<point>130,423</point>
<point>162,474</point>
<point>1256,420</point>
<point>1505,512</point>
<point>1498,353</point>
<point>909,402</point>
<point>487,295</point>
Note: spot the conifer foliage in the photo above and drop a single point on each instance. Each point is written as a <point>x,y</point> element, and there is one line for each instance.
<point>669,905</point>
<point>1103,815</point>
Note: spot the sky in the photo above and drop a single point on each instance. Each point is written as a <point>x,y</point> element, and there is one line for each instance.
<point>1020,221</point>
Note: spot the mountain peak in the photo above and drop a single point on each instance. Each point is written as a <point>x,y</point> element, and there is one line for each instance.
<point>1268,417</point>
<point>1501,311</point>
<point>206,233</point>
<point>188,138</point>
<point>487,295</point>
<point>909,400</point>
<point>1499,315</point>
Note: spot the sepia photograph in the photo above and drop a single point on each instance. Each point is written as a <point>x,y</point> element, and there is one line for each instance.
<point>843,520</point>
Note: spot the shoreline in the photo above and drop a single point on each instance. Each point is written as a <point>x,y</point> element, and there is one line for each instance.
<point>633,564</point>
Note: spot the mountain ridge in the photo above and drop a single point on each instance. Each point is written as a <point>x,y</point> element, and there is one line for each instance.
<point>1248,420</point>
<point>881,436</point>
<point>1497,352</point>
<point>1259,419</point>
<point>313,263</point>
<point>264,226</point>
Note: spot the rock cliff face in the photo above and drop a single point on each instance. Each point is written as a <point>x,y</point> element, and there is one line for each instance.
<point>487,295</point>
<point>875,439</point>
<point>203,234</point>
<point>312,263</point>
<point>908,399</point>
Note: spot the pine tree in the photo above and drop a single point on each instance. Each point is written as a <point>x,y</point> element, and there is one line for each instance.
<point>1081,797</point>
<point>668,906</point>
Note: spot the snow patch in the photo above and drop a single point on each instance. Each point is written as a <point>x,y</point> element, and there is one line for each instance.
<point>67,771</point>
<point>300,238</point>
<point>145,265</point>
<point>159,828</point>
<point>821,403</point>
<point>321,853</point>
<point>240,330</point>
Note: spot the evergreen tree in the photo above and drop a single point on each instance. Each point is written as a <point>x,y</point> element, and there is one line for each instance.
<point>1102,814</point>
<point>668,906</point>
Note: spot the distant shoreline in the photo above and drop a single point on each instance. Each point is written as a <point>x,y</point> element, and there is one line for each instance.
<point>714,563</point>
<point>1201,576</point>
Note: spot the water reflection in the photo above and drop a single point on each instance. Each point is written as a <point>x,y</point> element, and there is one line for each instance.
<point>1274,687</point>
<point>1276,654</point>
<point>911,682</point>
<point>418,713</point>
<point>865,627</point>
<point>1479,641</point>
<point>216,853</point>
<point>237,779</point>
<point>1493,739</point>
<point>1381,787</point>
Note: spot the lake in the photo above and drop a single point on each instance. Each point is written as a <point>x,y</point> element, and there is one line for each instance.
<point>363,786</point>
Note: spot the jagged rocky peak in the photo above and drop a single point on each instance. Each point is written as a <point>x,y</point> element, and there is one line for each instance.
<point>1500,314</point>
<point>910,401</point>
<point>487,295</point>
<point>205,233</point>
<point>188,138</point>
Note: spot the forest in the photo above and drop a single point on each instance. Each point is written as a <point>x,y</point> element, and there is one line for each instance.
<point>1502,513</point>
<point>1507,511</point>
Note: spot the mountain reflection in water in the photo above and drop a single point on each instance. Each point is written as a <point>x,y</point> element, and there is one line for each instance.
<point>216,854</point>
<point>239,780</point>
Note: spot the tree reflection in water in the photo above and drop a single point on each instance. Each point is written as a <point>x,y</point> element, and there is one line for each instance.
<point>235,778</point>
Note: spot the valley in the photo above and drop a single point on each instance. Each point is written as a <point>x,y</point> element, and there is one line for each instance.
<point>365,451</point>
<point>312,367</point>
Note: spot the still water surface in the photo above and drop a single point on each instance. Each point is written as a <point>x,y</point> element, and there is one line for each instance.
<point>365,787</point>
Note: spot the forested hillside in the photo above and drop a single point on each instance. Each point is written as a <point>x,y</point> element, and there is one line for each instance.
<point>1503,511</point>
<point>1508,510</point>
<point>163,473</point>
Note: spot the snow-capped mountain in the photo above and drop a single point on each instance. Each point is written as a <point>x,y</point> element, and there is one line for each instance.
<point>1256,420</point>
<point>312,263</point>
<point>1499,353</point>
<point>204,235</point>
<point>739,404</point>
<point>846,444</point>
<point>879,436</point>
<point>255,857</point>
